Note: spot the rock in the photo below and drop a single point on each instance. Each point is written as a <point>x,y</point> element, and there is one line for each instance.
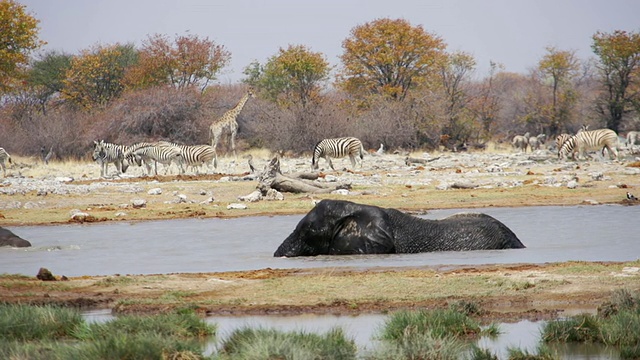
<point>45,275</point>
<point>154,191</point>
<point>572,184</point>
<point>597,176</point>
<point>273,194</point>
<point>253,197</point>
<point>236,206</point>
<point>341,192</point>
<point>138,203</point>
<point>64,179</point>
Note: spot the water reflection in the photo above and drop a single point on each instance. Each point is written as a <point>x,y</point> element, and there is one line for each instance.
<point>551,234</point>
<point>524,335</point>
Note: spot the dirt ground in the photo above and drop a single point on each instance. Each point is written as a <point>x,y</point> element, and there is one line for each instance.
<point>506,292</point>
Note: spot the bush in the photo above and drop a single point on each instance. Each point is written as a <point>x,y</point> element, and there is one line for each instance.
<point>247,343</point>
<point>439,323</point>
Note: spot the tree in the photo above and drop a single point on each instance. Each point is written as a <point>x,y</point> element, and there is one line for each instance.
<point>96,76</point>
<point>455,80</point>
<point>389,57</point>
<point>187,62</point>
<point>619,55</point>
<point>559,68</point>
<point>46,75</point>
<point>18,37</point>
<point>294,75</point>
<point>486,104</point>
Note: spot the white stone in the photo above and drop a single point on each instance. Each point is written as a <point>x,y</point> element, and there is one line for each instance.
<point>236,206</point>
<point>138,203</point>
<point>154,191</point>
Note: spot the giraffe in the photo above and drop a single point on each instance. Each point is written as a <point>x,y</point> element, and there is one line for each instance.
<point>228,123</point>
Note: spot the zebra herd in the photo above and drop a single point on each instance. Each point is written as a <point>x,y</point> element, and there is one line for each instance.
<point>575,146</point>
<point>163,152</point>
<point>522,141</point>
<point>195,156</point>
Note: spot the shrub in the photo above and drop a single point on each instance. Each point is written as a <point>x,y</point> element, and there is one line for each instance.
<point>247,343</point>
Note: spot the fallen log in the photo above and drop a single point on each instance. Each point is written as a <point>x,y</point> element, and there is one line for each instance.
<point>272,178</point>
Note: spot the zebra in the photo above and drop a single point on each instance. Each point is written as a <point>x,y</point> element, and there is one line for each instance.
<point>536,141</point>
<point>4,156</point>
<point>590,139</point>
<point>560,139</point>
<point>633,137</point>
<point>195,155</point>
<point>521,141</point>
<point>105,153</point>
<point>338,147</point>
<point>130,158</point>
<point>158,154</point>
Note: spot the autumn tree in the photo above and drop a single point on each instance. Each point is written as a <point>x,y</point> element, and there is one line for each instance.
<point>95,77</point>
<point>454,74</point>
<point>486,104</point>
<point>558,68</point>
<point>619,60</point>
<point>185,62</point>
<point>389,57</point>
<point>295,75</point>
<point>18,37</point>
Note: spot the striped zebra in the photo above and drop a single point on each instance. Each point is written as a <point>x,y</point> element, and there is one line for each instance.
<point>560,139</point>
<point>105,153</point>
<point>4,156</point>
<point>195,156</point>
<point>633,138</point>
<point>337,148</point>
<point>584,140</point>
<point>129,157</point>
<point>158,154</point>
<point>520,142</point>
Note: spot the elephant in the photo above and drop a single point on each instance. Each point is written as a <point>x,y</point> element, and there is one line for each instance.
<point>8,238</point>
<point>337,227</point>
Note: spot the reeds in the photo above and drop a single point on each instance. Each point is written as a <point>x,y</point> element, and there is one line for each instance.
<point>247,343</point>
<point>46,332</point>
<point>616,324</point>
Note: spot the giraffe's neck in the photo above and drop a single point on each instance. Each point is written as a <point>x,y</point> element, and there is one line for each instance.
<point>233,113</point>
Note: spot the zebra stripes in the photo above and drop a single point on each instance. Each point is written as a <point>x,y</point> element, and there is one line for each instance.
<point>105,153</point>
<point>560,139</point>
<point>4,156</point>
<point>195,155</point>
<point>584,140</point>
<point>337,148</point>
<point>158,154</point>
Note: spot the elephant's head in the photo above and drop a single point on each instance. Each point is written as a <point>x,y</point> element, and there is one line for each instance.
<point>337,227</point>
<point>312,235</point>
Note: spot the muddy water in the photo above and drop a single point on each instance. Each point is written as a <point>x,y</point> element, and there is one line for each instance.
<point>551,234</point>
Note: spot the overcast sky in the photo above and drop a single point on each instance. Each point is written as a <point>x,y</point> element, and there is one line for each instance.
<point>514,33</point>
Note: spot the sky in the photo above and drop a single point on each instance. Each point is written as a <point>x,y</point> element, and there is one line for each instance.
<point>514,33</point>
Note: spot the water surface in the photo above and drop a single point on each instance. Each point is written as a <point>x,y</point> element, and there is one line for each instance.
<point>551,234</point>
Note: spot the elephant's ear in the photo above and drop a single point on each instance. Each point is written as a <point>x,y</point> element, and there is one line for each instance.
<point>362,233</point>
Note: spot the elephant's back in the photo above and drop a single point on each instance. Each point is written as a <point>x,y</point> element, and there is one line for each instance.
<point>486,231</point>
